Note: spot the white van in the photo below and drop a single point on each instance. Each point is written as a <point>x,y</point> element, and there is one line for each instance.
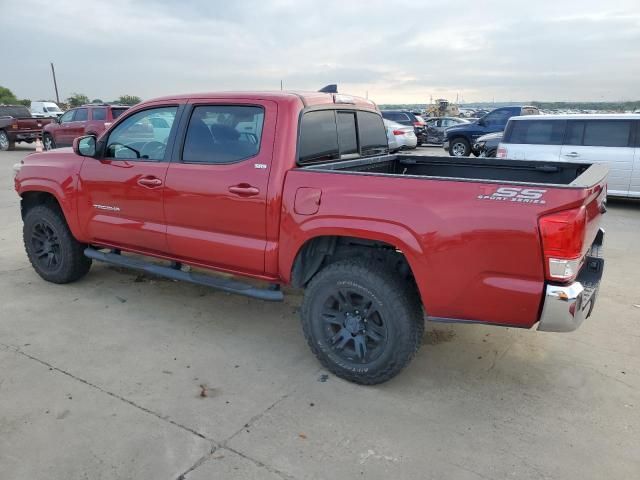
<point>45,109</point>
<point>613,139</point>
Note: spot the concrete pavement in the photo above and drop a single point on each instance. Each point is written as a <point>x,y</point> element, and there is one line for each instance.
<point>104,379</point>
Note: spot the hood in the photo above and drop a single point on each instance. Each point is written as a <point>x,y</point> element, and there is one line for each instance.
<point>490,136</point>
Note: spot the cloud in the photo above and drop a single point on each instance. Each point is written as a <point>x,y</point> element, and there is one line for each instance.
<point>402,51</point>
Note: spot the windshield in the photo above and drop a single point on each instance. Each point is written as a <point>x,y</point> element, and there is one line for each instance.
<point>52,109</point>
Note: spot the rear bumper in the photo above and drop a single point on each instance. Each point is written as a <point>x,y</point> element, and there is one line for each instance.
<point>23,135</point>
<point>566,306</point>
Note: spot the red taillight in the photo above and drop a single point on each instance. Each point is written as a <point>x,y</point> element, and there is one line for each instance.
<point>563,234</point>
<point>14,124</point>
<point>398,132</point>
<point>501,152</point>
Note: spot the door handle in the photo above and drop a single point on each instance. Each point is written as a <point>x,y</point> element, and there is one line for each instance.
<point>150,182</point>
<point>572,154</point>
<point>244,190</point>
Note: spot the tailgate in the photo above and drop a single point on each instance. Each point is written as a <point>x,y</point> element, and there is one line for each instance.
<point>29,123</point>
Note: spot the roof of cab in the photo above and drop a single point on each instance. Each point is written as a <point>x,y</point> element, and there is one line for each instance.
<point>306,98</point>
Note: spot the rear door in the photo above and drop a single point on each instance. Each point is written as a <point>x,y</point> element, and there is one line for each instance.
<point>605,141</point>
<point>216,187</point>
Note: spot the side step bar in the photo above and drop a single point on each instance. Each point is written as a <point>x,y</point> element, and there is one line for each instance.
<point>224,284</point>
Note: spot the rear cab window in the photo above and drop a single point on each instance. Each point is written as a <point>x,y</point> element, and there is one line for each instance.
<point>116,112</point>
<point>330,134</point>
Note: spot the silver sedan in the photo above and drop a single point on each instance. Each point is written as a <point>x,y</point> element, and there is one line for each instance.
<point>400,136</point>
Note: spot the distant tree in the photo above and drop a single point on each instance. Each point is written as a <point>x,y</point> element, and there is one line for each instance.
<point>96,100</point>
<point>25,102</point>
<point>128,100</point>
<point>77,99</point>
<point>7,97</point>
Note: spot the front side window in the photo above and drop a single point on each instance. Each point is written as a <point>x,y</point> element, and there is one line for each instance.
<point>537,132</point>
<point>82,114</point>
<point>99,114</point>
<point>136,137</point>
<point>223,133</point>
<point>67,117</point>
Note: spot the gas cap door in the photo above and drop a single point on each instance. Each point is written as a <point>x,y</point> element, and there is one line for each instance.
<point>307,200</point>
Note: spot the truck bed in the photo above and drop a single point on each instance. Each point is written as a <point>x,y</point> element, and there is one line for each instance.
<point>566,174</point>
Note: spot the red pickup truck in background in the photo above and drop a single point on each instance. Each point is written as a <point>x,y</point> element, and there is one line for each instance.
<point>299,189</point>
<point>90,119</point>
<point>17,125</point>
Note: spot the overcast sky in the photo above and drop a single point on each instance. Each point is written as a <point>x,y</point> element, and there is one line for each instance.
<point>397,51</point>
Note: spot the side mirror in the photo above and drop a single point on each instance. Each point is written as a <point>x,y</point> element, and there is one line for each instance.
<point>85,146</point>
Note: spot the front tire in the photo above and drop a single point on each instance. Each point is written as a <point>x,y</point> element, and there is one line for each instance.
<point>459,147</point>
<point>362,320</point>
<point>52,250</point>
<point>48,142</point>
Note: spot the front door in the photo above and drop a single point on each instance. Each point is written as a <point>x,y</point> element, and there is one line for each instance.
<point>603,141</point>
<point>216,187</point>
<point>121,194</point>
<point>62,134</point>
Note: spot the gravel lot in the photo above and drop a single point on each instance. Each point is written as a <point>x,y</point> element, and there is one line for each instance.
<point>104,379</point>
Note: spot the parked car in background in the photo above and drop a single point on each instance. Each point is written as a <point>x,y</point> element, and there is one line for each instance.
<point>406,117</point>
<point>436,126</point>
<point>401,137</point>
<point>17,125</point>
<point>613,139</point>
<point>458,140</point>
<point>487,145</point>
<point>45,109</point>
<point>90,119</point>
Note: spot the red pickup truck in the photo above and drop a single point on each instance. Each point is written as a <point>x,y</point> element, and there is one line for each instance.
<point>299,189</point>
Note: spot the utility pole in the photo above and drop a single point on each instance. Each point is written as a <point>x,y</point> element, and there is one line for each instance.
<point>55,84</point>
<point>280,84</point>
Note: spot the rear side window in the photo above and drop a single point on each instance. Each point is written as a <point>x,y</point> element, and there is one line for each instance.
<point>542,132</point>
<point>81,115</point>
<point>606,133</point>
<point>99,114</point>
<point>575,132</point>
<point>396,117</point>
<point>116,112</point>
<point>347,137</point>
<point>373,136</point>
<point>222,133</point>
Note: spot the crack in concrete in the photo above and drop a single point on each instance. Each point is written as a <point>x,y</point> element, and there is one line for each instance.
<point>215,446</point>
<point>199,462</point>
<point>107,392</point>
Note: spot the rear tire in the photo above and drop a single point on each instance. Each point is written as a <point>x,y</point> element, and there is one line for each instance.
<point>459,147</point>
<point>47,142</point>
<point>362,320</point>
<point>52,250</point>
